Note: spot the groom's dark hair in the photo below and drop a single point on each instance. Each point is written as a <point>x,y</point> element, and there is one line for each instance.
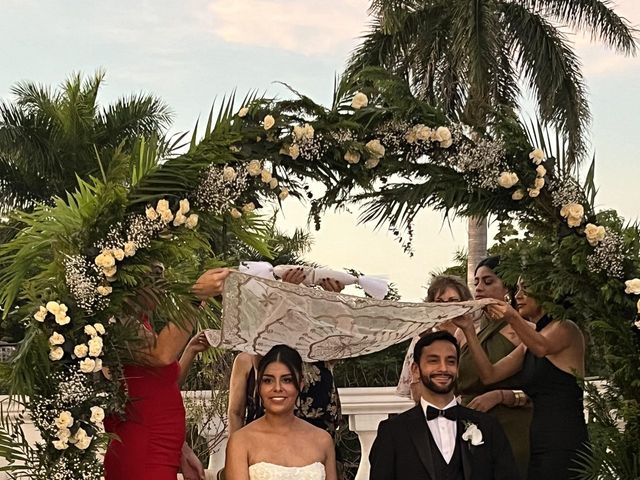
<point>428,338</point>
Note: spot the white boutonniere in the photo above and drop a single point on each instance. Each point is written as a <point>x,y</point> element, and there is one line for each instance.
<point>472,434</point>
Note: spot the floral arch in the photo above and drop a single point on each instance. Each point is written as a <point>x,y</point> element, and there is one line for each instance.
<point>78,271</point>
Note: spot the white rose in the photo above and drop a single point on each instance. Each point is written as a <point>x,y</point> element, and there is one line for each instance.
<point>98,366</point>
<point>90,330</point>
<point>268,122</point>
<point>95,347</point>
<point>411,136</point>
<point>62,318</point>
<point>533,192</point>
<point>284,193</point>
<point>60,445</point>
<point>243,112</point>
<point>104,290</point>
<point>303,133</point>
<point>359,101</point>
<point>179,219</point>
<point>352,157</point>
<point>81,440</point>
<point>109,272</point>
<point>118,254</point>
<point>248,207</point>
<point>162,206</point>
<point>541,171</point>
<point>573,212</point>
<point>56,339</point>
<point>184,206</point>
<point>473,434</point>
<point>99,328</point>
<point>97,415</point>
<point>56,353</point>
<point>273,183</point>
<point>446,143</point>
<point>537,156</point>
<point>64,433</point>
<point>235,213</point>
<point>371,162</point>
<point>442,135</point>
<point>633,286</point>
<point>539,183</point>
<point>518,194</point>
<point>87,365</point>
<point>192,221</point>
<point>423,133</point>
<point>638,305</point>
<point>151,213</point>
<point>166,216</point>
<point>595,234</point>
<point>105,260</point>
<point>254,168</point>
<point>229,174</point>
<point>265,176</point>
<point>80,351</point>
<point>293,151</point>
<point>64,421</point>
<point>41,314</point>
<point>375,148</point>
<point>130,249</point>
<point>53,307</point>
<point>508,179</point>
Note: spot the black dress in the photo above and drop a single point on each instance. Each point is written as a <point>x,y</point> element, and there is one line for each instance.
<point>318,402</point>
<point>558,430</point>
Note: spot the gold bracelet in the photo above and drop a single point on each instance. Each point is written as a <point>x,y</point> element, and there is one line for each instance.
<point>519,398</point>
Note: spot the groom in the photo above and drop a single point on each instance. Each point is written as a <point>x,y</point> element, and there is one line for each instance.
<point>438,439</point>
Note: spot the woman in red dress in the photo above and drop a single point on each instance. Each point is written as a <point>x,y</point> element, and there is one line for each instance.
<point>150,441</point>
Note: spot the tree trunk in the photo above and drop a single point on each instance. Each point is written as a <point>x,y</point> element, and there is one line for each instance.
<point>477,246</point>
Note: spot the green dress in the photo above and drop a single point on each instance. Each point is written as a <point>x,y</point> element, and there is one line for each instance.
<point>514,421</point>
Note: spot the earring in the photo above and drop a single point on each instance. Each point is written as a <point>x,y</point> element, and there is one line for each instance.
<point>507,297</point>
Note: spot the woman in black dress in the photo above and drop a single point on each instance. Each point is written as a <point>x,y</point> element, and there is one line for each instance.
<point>552,360</point>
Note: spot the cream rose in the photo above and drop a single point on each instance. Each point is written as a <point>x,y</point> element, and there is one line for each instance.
<point>56,339</point>
<point>360,100</point>
<point>105,260</point>
<point>243,112</point>
<point>411,136</point>
<point>541,171</point>
<point>303,133</point>
<point>81,351</point>
<point>81,440</point>
<point>95,346</point>
<point>375,148</point>
<point>62,318</point>
<point>98,366</point>
<point>273,183</point>
<point>573,212</point>
<point>179,219</point>
<point>90,330</point>
<point>60,444</point>
<point>539,183</point>
<point>594,233</point>
<point>104,290</point>
<point>632,286</point>
<point>422,132</point>
<point>372,162</point>
<point>254,168</point>
<point>109,272</point>
<point>118,254</point>
<point>97,415</point>
<point>284,193</point>
<point>64,420</point>
<point>537,156</point>
<point>87,365</point>
<point>162,206</point>
<point>442,134</point>
<point>56,353</point>
<point>293,151</point>
<point>151,213</point>
<point>229,174</point>
<point>508,179</point>
<point>53,307</point>
<point>41,314</point>
<point>99,328</point>
<point>166,216</point>
<point>130,249</point>
<point>192,221</point>
<point>518,194</point>
<point>248,207</point>
<point>265,176</point>
<point>184,206</point>
<point>268,122</point>
<point>534,192</point>
<point>352,157</point>
<point>235,213</point>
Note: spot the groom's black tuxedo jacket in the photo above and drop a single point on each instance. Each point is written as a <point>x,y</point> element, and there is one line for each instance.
<point>402,450</point>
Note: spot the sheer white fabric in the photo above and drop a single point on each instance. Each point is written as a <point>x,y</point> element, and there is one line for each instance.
<point>270,471</point>
<point>258,314</point>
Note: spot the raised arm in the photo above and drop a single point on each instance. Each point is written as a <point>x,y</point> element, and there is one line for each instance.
<point>489,373</point>
<point>196,345</point>
<point>238,391</point>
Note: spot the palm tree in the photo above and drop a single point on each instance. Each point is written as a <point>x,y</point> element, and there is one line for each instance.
<point>474,59</point>
<point>47,138</point>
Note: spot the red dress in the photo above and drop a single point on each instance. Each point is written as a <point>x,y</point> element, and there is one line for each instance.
<point>153,431</point>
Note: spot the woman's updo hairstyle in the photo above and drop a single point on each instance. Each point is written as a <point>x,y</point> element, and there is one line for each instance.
<point>490,262</point>
<point>287,356</point>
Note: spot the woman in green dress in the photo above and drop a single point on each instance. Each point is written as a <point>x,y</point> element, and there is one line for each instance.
<point>504,400</point>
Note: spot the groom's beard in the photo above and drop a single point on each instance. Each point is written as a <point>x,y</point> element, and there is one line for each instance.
<point>434,387</point>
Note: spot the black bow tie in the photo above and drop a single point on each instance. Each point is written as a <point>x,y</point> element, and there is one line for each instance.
<point>450,413</point>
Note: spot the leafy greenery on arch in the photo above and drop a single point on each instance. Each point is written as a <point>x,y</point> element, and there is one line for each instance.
<point>79,270</point>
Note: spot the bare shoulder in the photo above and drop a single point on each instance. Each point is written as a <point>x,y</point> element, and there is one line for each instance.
<point>243,361</point>
<point>568,326</point>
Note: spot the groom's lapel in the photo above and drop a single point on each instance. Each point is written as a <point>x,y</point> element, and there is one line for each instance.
<point>418,431</point>
<point>465,451</point>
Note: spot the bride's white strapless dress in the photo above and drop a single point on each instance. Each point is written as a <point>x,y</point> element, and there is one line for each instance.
<point>270,471</point>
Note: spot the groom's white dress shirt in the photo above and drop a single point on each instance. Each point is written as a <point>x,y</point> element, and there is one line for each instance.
<point>442,429</point>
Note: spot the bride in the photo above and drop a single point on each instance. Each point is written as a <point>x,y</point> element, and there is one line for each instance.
<point>280,446</point>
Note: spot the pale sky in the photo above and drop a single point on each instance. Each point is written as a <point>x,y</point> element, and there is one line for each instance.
<point>189,52</point>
